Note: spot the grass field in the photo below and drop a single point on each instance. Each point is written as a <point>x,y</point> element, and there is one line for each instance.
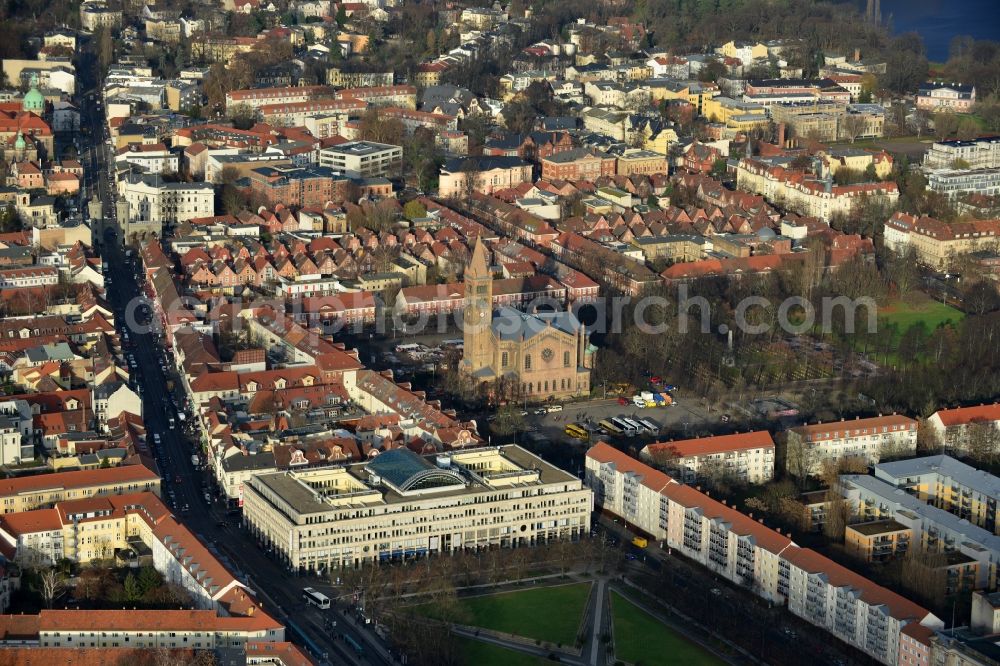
<point>931,313</point>
<point>642,639</point>
<point>485,654</point>
<point>550,614</point>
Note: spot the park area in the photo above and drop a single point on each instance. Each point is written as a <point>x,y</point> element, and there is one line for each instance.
<point>642,639</point>
<point>905,328</point>
<point>550,614</point>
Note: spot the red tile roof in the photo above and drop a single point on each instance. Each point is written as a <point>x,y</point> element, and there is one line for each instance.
<point>709,445</point>
<point>965,415</point>
<point>76,479</point>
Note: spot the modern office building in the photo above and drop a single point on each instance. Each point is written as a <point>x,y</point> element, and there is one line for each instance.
<point>877,621</point>
<point>401,505</point>
<point>363,159</point>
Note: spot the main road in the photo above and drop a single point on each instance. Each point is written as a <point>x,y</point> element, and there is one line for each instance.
<point>331,635</point>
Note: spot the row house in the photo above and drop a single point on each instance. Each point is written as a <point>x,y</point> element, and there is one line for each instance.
<point>748,457</point>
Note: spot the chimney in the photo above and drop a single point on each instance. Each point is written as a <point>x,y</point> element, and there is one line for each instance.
<point>781,135</point>
<point>857,55</point>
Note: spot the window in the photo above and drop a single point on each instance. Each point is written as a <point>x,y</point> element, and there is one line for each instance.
<point>504,358</point>
<point>527,361</point>
<point>566,359</point>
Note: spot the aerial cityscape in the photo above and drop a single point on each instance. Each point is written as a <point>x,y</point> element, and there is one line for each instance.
<point>399,332</point>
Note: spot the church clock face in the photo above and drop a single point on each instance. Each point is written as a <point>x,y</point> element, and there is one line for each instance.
<point>547,354</point>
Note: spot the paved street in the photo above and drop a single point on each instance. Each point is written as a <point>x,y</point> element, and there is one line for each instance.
<point>280,590</point>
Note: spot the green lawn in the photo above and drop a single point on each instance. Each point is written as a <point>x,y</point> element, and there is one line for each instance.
<point>485,654</point>
<point>642,639</point>
<point>931,313</point>
<point>550,614</point>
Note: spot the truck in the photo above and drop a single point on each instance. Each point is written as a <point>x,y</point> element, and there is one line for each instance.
<point>647,399</point>
<point>668,399</point>
<point>638,401</point>
<point>639,542</point>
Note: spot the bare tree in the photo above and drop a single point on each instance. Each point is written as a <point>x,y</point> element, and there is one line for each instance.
<point>52,583</point>
<point>853,126</point>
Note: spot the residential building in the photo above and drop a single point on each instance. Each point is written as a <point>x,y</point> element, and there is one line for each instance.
<point>934,530</point>
<point>15,432</point>
<point>878,540</point>
<point>401,505</point>
<point>981,153</point>
<point>956,183</point>
<point>151,158</point>
<point>363,159</point>
<point>946,97</point>
<point>295,114</point>
<point>805,195</point>
<point>96,14</point>
<point>739,548</point>
<point>869,439</point>
<point>747,457</point>
<point>151,201</point>
<point>44,490</point>
<point>255,98</point>
<point>487,173</point>
<point>938,244</point>
<point>952,425</point>
<point>948,484</point>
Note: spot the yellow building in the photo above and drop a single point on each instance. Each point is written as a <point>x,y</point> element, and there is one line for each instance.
<point>745,51</point>
<point>878,540</point>
<point>44,490</point>
<point>539,356</point>
<point>721,109</point>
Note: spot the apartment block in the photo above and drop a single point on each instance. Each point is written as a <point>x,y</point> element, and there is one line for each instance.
<point>948,484</point>
<point>954,183</point>
<point>878,540</point>
<point>952,425</point>
<point>152,200</point>
<point>981,153</point>
<point>401,505</point>
<point>44,490</point>
<point>745,456</point>
<point>255,98</point>
<point>934,530</point>
<point>810,445</point>
<point>733,545</point>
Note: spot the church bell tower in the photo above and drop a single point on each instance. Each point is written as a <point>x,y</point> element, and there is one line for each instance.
<point>478,315</point>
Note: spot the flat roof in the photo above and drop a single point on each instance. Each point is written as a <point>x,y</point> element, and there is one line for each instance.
<point>878,527</point>
<point>942,465</point>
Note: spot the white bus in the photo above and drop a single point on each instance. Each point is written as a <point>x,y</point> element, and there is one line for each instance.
<point>317,599</point>
<point>625,426</point>
<point>638,427</point>
<point>650,426</point>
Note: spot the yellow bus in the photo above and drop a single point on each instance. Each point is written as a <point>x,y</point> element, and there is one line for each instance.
<point>610,427</point>
<point>575,431</point>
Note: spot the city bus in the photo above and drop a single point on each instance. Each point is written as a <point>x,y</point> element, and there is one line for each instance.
<point>624,426</point>
<point>576,431</point>
<point>610,427</point>
<point>317,599</point>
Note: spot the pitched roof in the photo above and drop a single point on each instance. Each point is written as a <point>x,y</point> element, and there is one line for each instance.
<point>709,445</point>
<point>76,479</point>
